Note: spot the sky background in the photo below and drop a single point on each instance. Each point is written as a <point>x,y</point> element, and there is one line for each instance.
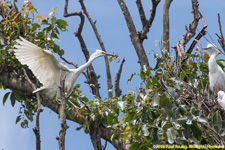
<point>114,33</point>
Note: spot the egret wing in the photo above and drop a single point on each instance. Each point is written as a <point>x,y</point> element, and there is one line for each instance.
<point>42,62</point>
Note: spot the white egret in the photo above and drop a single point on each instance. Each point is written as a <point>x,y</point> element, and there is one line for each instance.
<point>221,99</point>
<point>216,74</point>
<point>47,68</point>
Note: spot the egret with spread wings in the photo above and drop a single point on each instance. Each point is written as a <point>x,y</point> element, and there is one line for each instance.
<point>46,67</point>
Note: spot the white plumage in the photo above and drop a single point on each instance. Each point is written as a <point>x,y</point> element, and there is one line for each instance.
<point>46,67</point>
<point>216,74</point>
<point>221,99</point>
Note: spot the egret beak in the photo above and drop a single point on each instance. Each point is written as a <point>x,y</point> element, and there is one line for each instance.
<point>205,48</point>
<point>110,55</point>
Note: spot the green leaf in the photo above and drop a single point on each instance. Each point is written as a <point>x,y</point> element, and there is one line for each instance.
<point>135,146</point>
<point>61,22</point>
<point>166,106</point>
<point>121,105</point>
<point>5,97</point>
<point>217,121</point>
<point>143,147</point>
<point>155,99</point>
<point>196,131</point>
<point>145,131</point>
<point>18,119</point>
<point>170,135</point>
<point>13,98</point>
<point>110,118</point>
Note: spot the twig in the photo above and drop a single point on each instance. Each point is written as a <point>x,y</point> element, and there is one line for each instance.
<point>198,37</point>
<point>63,101</point>
<point>109,80</point>
<point>221,38</point>
<point>118,91</point>
<point>135,38</point>
<point>141,12</point>
<point>39,110</point>
<point>180,47</point>
<point>145,30</point>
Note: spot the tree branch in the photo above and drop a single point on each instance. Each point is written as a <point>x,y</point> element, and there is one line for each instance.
<point>63,101</point>
<point>109,80</point>
<point>221,38</point>
<point>141,12</point>
<point>145,30</point>
<point>91,76</point>
<point>133,34</point>
<point>180,47</point>
<point>118,91</point>
<point>39,110</point>
<point>166,25</point>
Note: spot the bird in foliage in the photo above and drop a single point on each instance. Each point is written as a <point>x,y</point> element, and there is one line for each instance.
<point>47,68</point>
<point>216,74</point>
<point>221,99</point>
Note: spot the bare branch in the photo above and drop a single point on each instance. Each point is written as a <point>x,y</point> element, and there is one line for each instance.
<point>198,37</point>
<point>118,91</point>
<point>109,80</point>
<point>95,135</point>
<point>141,12</point>
<point>180,47</point>
<point>221,38</point>
<point>145,30</point>
<point>166,25</point>
<point>133,34</point>
<point>39,110</point>
<point>63,101</point>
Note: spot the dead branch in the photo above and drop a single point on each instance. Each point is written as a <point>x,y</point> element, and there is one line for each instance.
<point>221,38</point>
<point>180,47</point>
<point>39,110</point>
<point>91,76</point>
<point>133,34</point>
<point>95,135</point>
<point>109,80</point>
<point>146,28</point>
<point>198,37</point>
<point>63,101</point>
<point>118,91</point>
<point>141,12</point>
<point>166,25</point>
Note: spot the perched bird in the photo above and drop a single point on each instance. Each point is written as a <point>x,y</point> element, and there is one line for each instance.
<point>221,99</point>
<point>47,68</point>
<point>216,74</point>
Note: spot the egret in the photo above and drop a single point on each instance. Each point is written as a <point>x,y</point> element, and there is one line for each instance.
<point>47,68</point>
<point>216,74</point>
<point>221,99</point>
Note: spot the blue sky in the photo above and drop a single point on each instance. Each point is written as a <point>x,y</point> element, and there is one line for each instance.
<point>114,33</point>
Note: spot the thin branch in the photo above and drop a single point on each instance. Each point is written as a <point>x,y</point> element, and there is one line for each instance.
<point>118,91</point>
<point>146,28</point>
<point>198,37</point>
<point>141,12</point>
<point>135,38</point>
<point>166,25</point>
<point>91,76</point>
<point>63,100</point>
<point>39,110</point>
<point>221,38</point>
<point>180,47</point>
<point>109,80</point>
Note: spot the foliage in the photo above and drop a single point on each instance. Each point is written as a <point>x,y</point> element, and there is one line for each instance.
<point>41,30</point>
<point>166,109</point>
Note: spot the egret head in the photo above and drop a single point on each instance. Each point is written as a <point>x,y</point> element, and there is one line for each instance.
<point>99,53</point>
<point>220,95</point>
<point>211,48</point>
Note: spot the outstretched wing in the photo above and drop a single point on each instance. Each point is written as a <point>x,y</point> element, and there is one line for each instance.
<point>42,62</point>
